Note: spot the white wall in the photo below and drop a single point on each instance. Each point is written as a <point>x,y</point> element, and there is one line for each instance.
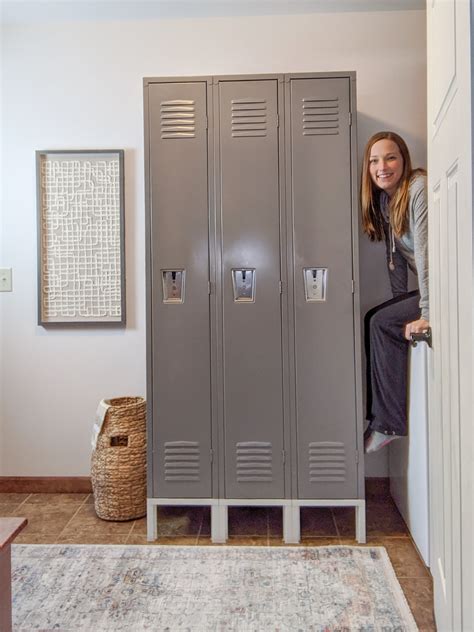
<point>79,85</point>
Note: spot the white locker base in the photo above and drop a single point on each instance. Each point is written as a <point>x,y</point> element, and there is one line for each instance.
<point>219,514</point>
<point>408,457</point>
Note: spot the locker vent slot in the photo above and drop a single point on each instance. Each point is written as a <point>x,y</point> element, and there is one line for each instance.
<point>182,461</point>
<point>249,118</point>
<point>320,117</point>
<point>327,462</point>
<point>254,462</point>
<point>178,119</point>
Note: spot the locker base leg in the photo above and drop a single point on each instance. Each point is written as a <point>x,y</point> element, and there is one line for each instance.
<point>151,521</point>
<point>219,524</point>
<point>360,522</point>
<point>291,524</point>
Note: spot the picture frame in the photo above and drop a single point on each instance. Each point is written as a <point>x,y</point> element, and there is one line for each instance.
<point>81,237</point>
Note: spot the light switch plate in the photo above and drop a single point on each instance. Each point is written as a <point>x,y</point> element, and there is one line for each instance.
<point>5,279</point>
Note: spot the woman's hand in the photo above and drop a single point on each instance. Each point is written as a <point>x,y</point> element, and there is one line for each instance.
<point>416,327</point>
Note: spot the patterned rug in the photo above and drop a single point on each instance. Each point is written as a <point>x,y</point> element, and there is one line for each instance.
<point>134,588</point>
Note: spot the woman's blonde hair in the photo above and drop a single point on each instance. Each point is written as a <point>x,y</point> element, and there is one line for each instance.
<point>372,221</point>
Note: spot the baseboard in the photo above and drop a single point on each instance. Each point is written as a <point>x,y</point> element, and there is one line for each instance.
<point>374,486</point>
<point>46,484</point>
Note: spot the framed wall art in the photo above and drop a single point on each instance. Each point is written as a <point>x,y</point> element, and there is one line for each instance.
<point>81,237</point>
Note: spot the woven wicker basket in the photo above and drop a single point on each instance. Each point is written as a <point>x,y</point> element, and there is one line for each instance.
<point>118,463</point>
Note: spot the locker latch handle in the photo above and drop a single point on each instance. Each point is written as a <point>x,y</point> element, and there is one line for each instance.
<point>424,336</point>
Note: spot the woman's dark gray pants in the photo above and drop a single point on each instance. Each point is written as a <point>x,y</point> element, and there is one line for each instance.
<point>387,362</point>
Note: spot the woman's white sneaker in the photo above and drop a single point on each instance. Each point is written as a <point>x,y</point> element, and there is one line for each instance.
<point>378,440</point>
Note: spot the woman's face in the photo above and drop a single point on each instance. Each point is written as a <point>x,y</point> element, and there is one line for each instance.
<point>386,165</point>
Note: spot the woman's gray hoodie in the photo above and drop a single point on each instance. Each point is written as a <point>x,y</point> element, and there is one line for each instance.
<point>412,248</point>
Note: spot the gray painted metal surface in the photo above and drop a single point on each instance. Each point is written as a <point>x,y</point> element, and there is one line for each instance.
<point>181,413</point>
<point>250,239</point>
<point>271,383</point>
<point>320,185</point>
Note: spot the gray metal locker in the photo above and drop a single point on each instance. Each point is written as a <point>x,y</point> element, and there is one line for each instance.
<point>321,209</point>
<point>252,293</point>
<point>249,216</point>
<point>179,331</point>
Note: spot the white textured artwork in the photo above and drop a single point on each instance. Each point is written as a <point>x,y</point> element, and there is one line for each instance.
<point>80,237</point>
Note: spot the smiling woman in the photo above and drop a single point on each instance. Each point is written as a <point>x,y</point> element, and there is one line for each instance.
<point>394,209</point>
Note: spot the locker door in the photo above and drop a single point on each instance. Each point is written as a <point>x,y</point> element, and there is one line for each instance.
<point>180,298</point>
<point>250,231</point>
<point>320,183</point>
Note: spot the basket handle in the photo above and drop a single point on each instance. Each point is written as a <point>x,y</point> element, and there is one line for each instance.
<point>119,440</point>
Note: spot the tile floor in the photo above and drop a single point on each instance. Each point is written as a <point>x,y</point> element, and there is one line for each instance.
<point>70,518</point>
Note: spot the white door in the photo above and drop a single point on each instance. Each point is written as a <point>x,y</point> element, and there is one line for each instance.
<point>451,278</point>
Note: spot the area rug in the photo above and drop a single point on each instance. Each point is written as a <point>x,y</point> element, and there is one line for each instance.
<point>249,589</point>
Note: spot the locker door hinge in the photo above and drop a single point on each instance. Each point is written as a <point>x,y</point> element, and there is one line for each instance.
<point>207,123</point>
<point>283,456</point>
<point>209,287</point>
<point>350,118</point>
<point>353,286</point>
<point>212,455</point>
<point>280,286</point>
<point>278,120</point>
<point>357,456</point>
